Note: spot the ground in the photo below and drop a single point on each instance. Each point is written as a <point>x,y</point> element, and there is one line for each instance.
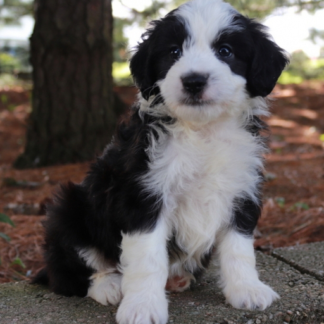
<point>293,210</point>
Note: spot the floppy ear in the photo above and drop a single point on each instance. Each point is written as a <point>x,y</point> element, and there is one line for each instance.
<point>267,63</point>
<point>139,66</point>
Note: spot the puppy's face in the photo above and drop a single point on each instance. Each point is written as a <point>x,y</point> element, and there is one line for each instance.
<point>204,59</point>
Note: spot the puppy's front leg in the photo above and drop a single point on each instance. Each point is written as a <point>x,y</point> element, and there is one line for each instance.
<point>239,278</point>
<point>144,263</point>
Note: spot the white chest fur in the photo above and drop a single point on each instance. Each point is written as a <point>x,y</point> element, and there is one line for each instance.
<point>199,173</point>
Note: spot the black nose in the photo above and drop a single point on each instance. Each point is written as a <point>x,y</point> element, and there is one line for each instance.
<point>194,82</point>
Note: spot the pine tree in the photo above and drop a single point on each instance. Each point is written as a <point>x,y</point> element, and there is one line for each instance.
<point>72,115</point>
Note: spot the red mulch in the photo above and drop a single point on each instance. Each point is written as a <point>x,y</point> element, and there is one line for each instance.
<point>293,198</point>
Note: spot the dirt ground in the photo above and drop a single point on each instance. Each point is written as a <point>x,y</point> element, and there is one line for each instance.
<point>293,210</point>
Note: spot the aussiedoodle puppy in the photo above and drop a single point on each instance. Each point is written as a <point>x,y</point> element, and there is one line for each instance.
<point>180,183</point>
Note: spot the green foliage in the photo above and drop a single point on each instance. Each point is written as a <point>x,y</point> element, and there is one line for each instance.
<point>19,62</point>
<point>18,261</point>
<point>5,219</point>
<point>254,8</point>
<point>148,13</point>
<point>309,5</point>
<point>5,236</point>
<point>301,68</point>
<point>262,8</point>
<point>251,8</point>
<point>121,73</point>
<point>10,80</point>
<point>299,206</point>
<point>280,201</point>
<point>315,34</point>
<point>12,10</point>
<point>4,99</point>
<point>8,63</point>
<point>288,78</point>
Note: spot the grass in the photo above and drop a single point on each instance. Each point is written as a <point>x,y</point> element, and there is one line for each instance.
<point>288,78</point>
<point>10,80</point>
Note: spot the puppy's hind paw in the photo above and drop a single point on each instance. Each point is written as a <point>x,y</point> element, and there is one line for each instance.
<point>250,295</point>
<point>106,288</point>
<point>179,283</point>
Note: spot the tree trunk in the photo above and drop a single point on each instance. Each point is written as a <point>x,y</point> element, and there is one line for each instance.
<point>72,115</point>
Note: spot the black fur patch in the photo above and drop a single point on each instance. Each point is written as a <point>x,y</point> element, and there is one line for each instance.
<point>66,231</point>
<point>246,211</point>
<point>258,59</point>
<point>93,214</point>
<point>246,215</point>
<point>205,260</point>
<point>153,58</point>
<point>257,126</point>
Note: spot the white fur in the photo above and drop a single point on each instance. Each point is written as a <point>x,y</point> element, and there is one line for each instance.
<point>203,25</point>
<point>204,161</point>
<point>106,287</point>
<point>94,259</point>
<point>144,264</point>
<point>239,278</point>
<point>200,172</point>
<point>225,92</point>
<point>208,158</point>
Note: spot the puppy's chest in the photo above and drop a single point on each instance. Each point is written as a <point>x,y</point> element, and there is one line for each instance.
<point>203,167</point>
<point>199,175</point>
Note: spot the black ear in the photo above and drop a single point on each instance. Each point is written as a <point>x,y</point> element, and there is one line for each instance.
<point>139,66</point>
<point>267,62</point>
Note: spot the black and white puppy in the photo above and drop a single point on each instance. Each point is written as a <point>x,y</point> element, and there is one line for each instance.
<point>180,182</point>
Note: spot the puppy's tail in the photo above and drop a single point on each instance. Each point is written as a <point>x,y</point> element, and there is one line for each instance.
<point>41,278</point>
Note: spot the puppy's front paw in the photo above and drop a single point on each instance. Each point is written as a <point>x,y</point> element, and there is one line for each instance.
<point>139,309</point>
<point>250,295</point>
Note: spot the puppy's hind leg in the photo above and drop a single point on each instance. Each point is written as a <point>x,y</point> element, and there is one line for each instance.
<point>239,277</point>
<point>144,264</point>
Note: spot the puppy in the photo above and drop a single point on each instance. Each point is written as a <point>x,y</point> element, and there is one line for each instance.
<point>181,180</point>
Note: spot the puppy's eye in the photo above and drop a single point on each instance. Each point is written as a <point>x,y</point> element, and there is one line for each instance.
<point>175,52</point>
<point>225,51</point>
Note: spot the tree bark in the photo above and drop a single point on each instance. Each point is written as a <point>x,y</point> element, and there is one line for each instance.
<point>72,115</point>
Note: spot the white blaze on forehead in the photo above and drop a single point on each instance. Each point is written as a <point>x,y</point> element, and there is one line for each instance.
<point>204,19</point>
<point>225,92</point>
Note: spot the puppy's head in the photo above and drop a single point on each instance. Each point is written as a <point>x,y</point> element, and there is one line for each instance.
<point>205,59</point>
